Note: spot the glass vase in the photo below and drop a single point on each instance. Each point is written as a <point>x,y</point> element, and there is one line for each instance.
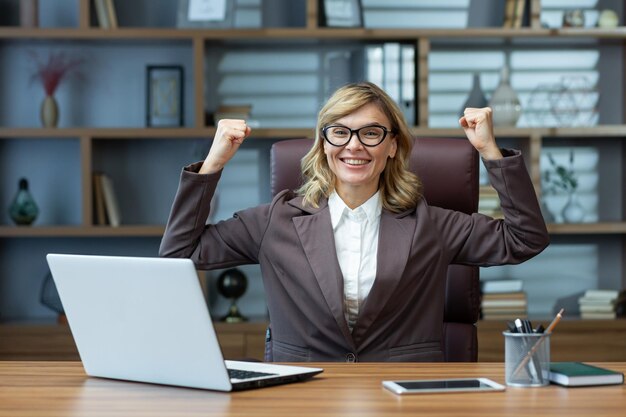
<point>504,102</point>
<point>573,211</point>
<point>23,210</point>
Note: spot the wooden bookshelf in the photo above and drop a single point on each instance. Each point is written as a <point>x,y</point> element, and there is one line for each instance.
<point>198,41</point>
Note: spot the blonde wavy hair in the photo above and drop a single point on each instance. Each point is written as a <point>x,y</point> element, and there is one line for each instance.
<point>400,189</point>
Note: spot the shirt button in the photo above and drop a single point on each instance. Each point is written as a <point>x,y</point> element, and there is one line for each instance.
<point>350,357</point>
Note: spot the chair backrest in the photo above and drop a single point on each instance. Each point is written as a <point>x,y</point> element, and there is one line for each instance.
<point>448,169</point>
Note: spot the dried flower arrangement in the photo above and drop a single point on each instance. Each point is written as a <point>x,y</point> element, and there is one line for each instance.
<point>53,71</point>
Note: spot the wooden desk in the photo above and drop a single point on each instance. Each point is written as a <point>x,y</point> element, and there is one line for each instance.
<point>62,389</point>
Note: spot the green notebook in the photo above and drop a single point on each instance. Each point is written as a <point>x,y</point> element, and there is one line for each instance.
<point>574,374</point>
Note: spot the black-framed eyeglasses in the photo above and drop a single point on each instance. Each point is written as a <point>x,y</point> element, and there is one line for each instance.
<point>372,135</point>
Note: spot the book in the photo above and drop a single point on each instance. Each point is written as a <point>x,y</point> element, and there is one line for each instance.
<point>603,308</point>
<point>517,295</point>
<point>509,12</point>
<point>504,309</point>
<point>597,302</point>
<point>233,112</point>
<point>489,202</point>
<point>598,316</point>
<point>102,14</point>
<point>504,316</point>
<point>575,374</point>
<point>110,11</point>
<point>520,5</point>
<point>602,294</point>
<point>504,303</point>
<point>110,201</point>
<point>499,286</point>
<point>99,217</point>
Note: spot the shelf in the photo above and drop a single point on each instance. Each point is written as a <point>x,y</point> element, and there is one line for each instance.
<point>587,228</point>
<point>108,133</point>
<point>617,131</point>
<point>304,33</point>
<point>146,133</point>
<point>81,231</point>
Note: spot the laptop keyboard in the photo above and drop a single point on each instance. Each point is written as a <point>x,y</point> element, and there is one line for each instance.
<point>240,374</point>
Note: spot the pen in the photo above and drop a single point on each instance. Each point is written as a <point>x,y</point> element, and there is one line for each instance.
<point>533,370</point>
<point>548,331</point>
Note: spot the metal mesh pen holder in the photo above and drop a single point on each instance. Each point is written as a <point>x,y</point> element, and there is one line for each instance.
<point>526,359</point>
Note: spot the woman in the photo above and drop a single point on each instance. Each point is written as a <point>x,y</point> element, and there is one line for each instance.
<point>354,263</point>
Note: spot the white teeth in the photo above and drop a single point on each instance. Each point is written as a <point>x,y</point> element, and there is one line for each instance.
<point>355,161</point>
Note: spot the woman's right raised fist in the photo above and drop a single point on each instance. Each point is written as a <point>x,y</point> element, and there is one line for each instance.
<point>229,135</point>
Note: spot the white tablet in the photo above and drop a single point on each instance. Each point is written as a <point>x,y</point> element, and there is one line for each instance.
<point>429,386</point>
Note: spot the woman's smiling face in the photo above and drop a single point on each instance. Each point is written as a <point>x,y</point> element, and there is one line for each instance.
<point>357,168</point>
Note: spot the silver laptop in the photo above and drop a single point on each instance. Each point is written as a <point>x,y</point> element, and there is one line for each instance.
<point>146,319</point>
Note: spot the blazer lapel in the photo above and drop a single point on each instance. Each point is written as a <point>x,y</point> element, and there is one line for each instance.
<point>316,235</point>
<point>394,246</point>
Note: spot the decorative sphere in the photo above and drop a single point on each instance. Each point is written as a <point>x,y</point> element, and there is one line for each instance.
<point>232,283</point>
<point>608,19</point>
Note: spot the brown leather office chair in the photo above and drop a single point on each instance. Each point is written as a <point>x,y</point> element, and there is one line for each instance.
<point>448,169</point>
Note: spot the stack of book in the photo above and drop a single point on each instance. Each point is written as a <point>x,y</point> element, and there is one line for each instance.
<point>489,202</point>
<point>602,304</point>
<point>503,300</point>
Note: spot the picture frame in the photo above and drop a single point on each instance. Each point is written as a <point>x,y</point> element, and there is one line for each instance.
<point>164,95</point>
<point>206,13</point>
<point>342,13</point>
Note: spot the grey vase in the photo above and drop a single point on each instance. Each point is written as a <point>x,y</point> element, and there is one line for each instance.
<point>476,97</point>
<point>23,210</point>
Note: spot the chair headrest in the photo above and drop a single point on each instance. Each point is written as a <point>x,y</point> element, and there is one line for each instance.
<point>447,167</point>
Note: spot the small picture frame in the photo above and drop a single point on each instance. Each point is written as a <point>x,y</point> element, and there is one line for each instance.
<point>164,95</point>
<point>206,13</point>
<point>342,13</point>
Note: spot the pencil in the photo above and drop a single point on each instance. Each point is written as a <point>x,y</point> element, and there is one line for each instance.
<point>555,321</point>
<point>531,352</point>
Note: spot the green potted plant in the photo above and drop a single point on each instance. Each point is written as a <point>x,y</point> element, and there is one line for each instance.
<point>561,178</point>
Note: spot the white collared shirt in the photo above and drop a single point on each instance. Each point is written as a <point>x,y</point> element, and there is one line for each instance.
<point>356,242</point>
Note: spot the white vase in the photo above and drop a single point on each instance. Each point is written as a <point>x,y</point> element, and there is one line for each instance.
<point>504,102</point>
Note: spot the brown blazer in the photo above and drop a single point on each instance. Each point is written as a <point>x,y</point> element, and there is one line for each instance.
<point>401,320</point>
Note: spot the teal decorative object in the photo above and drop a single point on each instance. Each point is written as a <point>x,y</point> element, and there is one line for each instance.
<point>476,97</point>
<point>23,209</point>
